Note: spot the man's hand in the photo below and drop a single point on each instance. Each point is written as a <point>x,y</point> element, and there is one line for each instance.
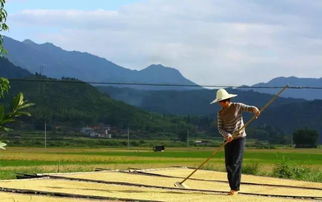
<point>256,112</point>
<point>229,138</point>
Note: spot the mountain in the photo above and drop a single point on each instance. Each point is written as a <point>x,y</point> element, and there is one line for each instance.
<point>72,104</point>
<point>294,116</point>
<point>55,62</point>
<point>189,102</point>
<point>159,74</point>
<point>304,93</point>
<point>9,70</point>
<point>285,114</point>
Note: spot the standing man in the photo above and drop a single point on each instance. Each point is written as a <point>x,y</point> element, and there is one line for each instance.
<point>230,120</point>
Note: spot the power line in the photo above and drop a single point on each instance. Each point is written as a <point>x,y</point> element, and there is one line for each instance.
<point>71,81</point>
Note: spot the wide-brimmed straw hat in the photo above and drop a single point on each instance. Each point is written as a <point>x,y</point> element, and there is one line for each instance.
<point>222,94</point>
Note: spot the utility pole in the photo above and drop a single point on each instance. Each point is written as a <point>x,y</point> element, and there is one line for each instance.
<point>291,140</point>
<point>45,135</point>
<point>42,89</point>
<point>187,137</point>
<point>42,69</point>
<point>128,138</point>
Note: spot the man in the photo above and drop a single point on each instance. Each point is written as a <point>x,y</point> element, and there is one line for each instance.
<point>230,121</point>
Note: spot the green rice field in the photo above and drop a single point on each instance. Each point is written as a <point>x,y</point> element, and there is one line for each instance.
<point>257,161</point>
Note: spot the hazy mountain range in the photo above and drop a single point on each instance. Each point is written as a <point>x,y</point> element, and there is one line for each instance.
<point>55,62</point>
<point>192,102</point>
<point>306,88</point>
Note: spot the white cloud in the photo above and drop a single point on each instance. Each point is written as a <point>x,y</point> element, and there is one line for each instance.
<point>209,41</point>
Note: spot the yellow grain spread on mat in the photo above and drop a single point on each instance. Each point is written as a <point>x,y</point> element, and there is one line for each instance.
<point>218,186</point>
<point>122,191</point>
<point>10,197</point>
<point>85,188</point>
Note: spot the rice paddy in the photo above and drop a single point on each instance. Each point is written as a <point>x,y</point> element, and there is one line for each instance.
<point>26,160</point>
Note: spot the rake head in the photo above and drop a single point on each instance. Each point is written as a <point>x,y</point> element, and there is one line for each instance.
<point>181,185</point>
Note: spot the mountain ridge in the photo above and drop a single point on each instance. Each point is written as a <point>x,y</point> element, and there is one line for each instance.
<point>56,62</point>
<point>11,71</point>
<point>303,88</point>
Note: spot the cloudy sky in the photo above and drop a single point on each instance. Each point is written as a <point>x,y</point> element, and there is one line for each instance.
<point>225,42</point>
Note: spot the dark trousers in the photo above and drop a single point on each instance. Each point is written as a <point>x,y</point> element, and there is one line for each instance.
<point>234,151</point>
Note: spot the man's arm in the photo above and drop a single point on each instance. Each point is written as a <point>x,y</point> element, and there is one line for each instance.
<point>224,133</point>
<point>248,108</point>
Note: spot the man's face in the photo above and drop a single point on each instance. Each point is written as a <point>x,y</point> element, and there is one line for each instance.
<point>224,103</point>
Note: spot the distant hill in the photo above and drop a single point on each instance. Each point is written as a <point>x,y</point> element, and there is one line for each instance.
<point>75,104</point>
<point>285,114</point>
<point>55,62</point>
<point>192,102</point>
<point>9,70</point>
<point>308,94</point>
<point>293,116</point>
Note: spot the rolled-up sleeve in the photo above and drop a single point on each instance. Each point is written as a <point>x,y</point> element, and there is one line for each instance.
<point>246,108</point>
<point>221,130</point>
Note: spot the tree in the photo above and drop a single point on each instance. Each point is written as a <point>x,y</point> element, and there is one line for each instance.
<point>18,103</point>
<point>305,138</point>
<point>3,25</point>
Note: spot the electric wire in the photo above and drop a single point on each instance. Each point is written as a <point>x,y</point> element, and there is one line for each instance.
<point>74,81</point>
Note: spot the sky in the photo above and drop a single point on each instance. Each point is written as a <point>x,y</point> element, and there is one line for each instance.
<point>211,42</point>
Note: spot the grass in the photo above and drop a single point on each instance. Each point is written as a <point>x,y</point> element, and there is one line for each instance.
<point>256,161</point>
<point>286,169</point>
<point>252,169</point>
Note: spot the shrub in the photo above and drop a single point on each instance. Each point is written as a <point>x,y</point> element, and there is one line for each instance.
<point>251,169</point>
<point>282,170</point>
<point>292,171</point>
